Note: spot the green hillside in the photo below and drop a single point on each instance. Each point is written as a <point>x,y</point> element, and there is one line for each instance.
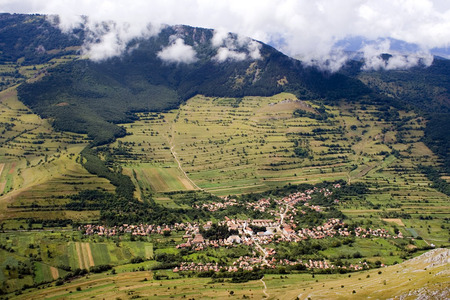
<point>38,167</point>
<point>424,89</point>
<point>91,97</point>
<point>273,178</point>
<point>415,278</point>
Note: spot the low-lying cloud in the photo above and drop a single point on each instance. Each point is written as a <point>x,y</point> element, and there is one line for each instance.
<point>374,59</point>
<point>178,52</point>
<point>303,28</point>
<point>232,47</point>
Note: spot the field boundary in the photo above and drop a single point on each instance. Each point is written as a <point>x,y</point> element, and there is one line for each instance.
<point>174,154</point>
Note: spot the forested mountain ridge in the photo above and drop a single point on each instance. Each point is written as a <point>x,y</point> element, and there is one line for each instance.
<point>107,92</point>
<point>33,39</point>
<point>83,96</point>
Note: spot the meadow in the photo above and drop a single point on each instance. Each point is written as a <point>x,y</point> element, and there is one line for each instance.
<point>236,145</point>
<point>230,146</point>
<point>64,154</point>
<point>218,146</point>
<point>381,283</point>
<point>35,258</point>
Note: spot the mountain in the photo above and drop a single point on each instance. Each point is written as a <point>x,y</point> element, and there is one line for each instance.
<point>192,162</point>
<point>99,94</point>
<point>32,39</point>
<point>356,43</point>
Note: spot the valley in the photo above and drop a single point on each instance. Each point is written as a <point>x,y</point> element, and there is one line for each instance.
<point>220,146</point>
<point>256,178</point>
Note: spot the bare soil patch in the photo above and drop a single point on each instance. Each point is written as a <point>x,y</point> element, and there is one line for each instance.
<point>187,184</point>
<point>55,272</point>
<point>396,221</point>
<point>13,166</point>
<point>89,254</point>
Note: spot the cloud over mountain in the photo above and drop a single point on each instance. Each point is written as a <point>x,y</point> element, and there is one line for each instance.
<point>307,29</point>
<point>178,52</point>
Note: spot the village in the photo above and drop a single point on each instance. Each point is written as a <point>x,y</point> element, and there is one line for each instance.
<point>258,234</point>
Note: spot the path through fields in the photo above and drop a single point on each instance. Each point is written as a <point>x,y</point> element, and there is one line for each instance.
<point>265,287</point>
<point>174,154</point>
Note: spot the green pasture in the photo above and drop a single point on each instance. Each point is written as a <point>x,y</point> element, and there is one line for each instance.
<point>387,282</point>
<point>57,251</point>
<point>246,145</point>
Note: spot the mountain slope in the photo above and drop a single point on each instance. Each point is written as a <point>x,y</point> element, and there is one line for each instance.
<point>424,89</point>
<point>33,40</point>
<point>100,94</point>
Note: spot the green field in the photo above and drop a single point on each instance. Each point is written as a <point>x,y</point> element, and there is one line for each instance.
<point>39,167</point>
<point>49,255</point>
<point>427,279</point>
<point>359,146</point>
<point>245,145</point>
<point>222,146</point>
<point>234,146</point>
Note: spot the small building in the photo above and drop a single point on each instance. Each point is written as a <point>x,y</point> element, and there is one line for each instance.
<point>234,239</point>
<point>198,239</point>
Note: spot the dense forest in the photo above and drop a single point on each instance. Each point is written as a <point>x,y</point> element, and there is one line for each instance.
<point>31,36</point>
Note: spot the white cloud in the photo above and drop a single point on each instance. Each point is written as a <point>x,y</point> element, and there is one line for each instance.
<point>253,48</point>
<point>224,54</point>
<point>374,61</point>
<point>296,27</point>
<point>219,37</point>
<point>231,47</point>
<point>178,52</point>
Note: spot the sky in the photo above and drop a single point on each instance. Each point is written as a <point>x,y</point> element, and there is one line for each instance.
<point>315,31</point>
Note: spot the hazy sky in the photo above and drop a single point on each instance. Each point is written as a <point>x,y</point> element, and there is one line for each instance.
<point>305,28</point>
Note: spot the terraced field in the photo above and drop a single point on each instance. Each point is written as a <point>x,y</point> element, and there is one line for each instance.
<point>60,250</point>
<point>39,167</point>
<point>231,146</point>
<point>250,144</point>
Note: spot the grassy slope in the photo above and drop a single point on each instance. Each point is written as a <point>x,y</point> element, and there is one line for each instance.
<point>59,250</point>
<point>211,136</point>
<point>230,146</point>
<point>39,164</point>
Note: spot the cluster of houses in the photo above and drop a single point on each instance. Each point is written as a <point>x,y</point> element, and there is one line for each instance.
<point>141,229</point>
<point>261,205</point>
<point>214,206</point>
<point>264,204</point>
<point>365,233</point>
<point>244,234</point>
<point>252,232</point>
<point>274,233</point>
<point>331,228</point>
<point>198,243</point>
<point>199,267</point>
<point>247,263</point>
